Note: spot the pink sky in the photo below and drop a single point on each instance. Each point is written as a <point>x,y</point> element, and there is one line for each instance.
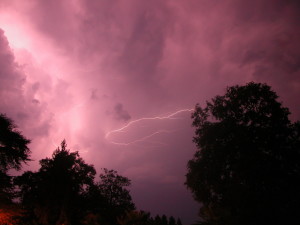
<point>80,69</point>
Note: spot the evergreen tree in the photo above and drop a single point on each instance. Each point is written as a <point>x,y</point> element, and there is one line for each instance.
<point>172,221</point>
<point>53,195</point>
<point>13,152</point>
<point>164,220</point>
<point>178,222</point>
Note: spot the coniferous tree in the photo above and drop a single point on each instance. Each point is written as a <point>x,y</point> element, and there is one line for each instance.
<point>13,152</point>
<point>164,220</point>
<point>157,220</point>
<point>172,221</point>
<point>53,195</point>
<point>178,222</point>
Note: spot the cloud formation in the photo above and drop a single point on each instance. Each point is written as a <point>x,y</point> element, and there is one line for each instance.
<point>120,113</point>
<point>19,96</point>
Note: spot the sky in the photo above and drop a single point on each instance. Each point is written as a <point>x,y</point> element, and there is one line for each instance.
<point>118,79</point>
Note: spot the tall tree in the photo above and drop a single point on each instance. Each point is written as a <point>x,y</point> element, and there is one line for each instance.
<point>247,168</point>
<point>13,152</point>
<point>172,221</point>
<point>178,222</point>
<point>54,193</point>
<point>157,220</point>
<point>13,145</point>
<point>113,188</point>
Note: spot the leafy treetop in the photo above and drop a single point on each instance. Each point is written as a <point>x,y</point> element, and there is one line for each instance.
<point>13,145</point>
<point>248,163</point>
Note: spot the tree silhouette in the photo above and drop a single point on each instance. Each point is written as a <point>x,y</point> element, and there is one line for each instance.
<point>13,152</point>
<point>134,218</point>
<point>112,187</point>
<point>178,222</point>
<point>247,168</point>
<point>164,220</point>
<point>172,221</point>
<point>53,194</point>
<point>13,145</point>
<point>157,220</point>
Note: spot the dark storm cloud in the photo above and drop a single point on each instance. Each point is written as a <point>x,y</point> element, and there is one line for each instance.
<point>120,113</point>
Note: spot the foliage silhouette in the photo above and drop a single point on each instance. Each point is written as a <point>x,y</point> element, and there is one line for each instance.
<point>134,218</point>
<point>110,196</point>
<point>53,195</point>
<point>63,191</point>
<point>13,152</point>
<point>164,220</point>
<point>144,218</point>
<point>178,222</point>
<point>172,221</point>
<point>246,170</point>
<point>13,145</point>
<point>113,188</point>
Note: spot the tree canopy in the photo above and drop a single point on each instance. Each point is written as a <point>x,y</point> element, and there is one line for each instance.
<point>13,152</point>
<point>53,194</point>
<point>110,196</point>
<point>64,191</point>
<point>113,187</point>
<point>247,167</point>
<point>13,145</point>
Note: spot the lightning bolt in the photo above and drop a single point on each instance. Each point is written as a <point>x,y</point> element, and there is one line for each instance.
<point>145,139</point>
<point>131,123</point>
<point>170,116</point>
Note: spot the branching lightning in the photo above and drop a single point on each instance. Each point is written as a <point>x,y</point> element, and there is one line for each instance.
<point>145,138</point>
<point>147,118</point>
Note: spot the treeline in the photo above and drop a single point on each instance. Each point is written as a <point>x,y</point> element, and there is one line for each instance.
<point>64,190</point>
<point>143,218</point>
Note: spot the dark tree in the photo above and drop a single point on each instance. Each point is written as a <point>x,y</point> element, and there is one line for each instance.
<point>157,220</point>
<point>247,168</point>
<point>172,221</point>
<point>13,152</point>
<point>6,189</point>
<point>113,188</point>
<point>13,145</point>
<point>178,222</point>
<point>164,220</point>
<point>54,194</point>
<point>135,218</point>
<point>109,200</point>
